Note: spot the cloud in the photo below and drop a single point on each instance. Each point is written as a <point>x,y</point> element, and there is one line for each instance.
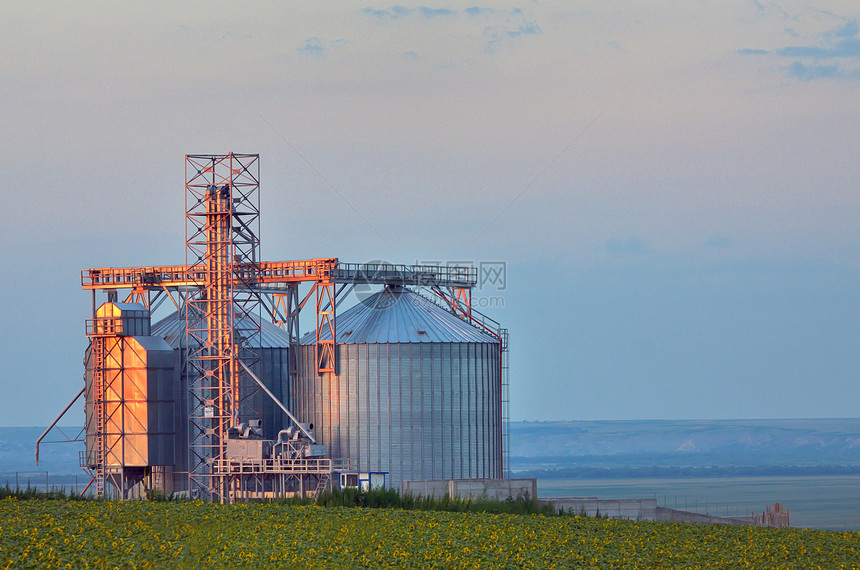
<point>477,11</point>
<point>529,27</point>
<point>748,51</point>
<point>811,72</point>
<point>497,35</point>
<point>435,12</point>
<point>391,13</point>
<point>317,47</point>
<point>312,47</point>
<point>632,246</point>
<point>849,30</point>
<point>834,55</point>
<point>396,12</point>
<point>845,48</point>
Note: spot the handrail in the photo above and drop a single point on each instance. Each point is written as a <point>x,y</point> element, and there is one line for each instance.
<point>276,465</point>
<point>104,326</point>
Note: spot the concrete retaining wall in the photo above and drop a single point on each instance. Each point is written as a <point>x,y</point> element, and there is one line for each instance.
<point>637,509</point>
<point>496,489</point>
<point>672,515</point>
<point>504,489</point>
<point>633,509</point>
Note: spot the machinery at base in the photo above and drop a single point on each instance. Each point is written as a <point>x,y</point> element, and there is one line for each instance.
<point>246,444</point>
<point>259,468</point>
<point>291,465</point>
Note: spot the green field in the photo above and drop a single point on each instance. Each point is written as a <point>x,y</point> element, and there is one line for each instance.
<point>82,534</point>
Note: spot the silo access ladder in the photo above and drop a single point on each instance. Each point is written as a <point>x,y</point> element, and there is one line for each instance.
<point>98,356</point>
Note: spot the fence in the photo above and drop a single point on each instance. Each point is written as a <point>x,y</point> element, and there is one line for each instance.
<point>43,481</point>
<point>778,515</point>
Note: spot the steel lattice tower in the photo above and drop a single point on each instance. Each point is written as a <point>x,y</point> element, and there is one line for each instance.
<point>222,213</point>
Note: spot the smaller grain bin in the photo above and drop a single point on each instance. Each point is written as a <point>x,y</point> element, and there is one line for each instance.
<point>417,392</point>
<point>130,391</point>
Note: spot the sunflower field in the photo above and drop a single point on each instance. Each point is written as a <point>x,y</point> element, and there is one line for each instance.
<point>97,534</point>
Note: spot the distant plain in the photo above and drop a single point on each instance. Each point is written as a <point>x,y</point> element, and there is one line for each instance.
<point>723,467</point>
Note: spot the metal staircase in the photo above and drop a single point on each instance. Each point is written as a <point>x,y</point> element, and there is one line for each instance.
<point>322,484</point>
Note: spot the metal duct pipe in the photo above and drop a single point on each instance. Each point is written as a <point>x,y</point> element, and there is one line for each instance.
<point>278,403</point>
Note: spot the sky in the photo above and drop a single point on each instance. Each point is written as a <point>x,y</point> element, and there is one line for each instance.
<point>666,192</point>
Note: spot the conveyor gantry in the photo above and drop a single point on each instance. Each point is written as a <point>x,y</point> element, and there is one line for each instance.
<point>280,280</point>
<point>275,275</point>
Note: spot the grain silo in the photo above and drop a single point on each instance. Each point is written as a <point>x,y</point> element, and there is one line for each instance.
<point>416,391</point>
<point>396,384</point>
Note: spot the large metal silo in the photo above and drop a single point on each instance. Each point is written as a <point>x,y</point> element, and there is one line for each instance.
<point>416,391</point>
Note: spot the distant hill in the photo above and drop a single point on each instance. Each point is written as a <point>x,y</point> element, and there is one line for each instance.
<point>688,443</point>
<point>17,452</point>
<point>598,444</point>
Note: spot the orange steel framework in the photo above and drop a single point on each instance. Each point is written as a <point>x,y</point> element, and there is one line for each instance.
<point>223,289</point>
<point>221,226</point>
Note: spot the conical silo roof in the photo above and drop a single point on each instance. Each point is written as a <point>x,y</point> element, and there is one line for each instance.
<point>172,329</point>
<point>398,315</point>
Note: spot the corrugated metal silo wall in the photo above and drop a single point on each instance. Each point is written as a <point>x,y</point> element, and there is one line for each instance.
<point>415,410</point>
<point>273,369</point>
